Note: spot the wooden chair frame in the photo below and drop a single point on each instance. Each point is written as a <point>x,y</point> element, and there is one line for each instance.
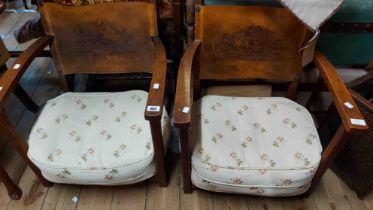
<point>13,189</point>
<point>188,89</point>
<point>9,82</point>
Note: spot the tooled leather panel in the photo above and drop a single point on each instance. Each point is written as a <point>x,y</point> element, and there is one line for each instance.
<point>105,38</point>
<point>251,44</point>
<point>242,42</point>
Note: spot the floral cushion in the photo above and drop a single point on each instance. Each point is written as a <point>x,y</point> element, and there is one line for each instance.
<point>263,146</point>
<point>95,138</point>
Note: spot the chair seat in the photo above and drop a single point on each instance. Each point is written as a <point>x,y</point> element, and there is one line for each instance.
<point>263,146</point>
<point>95,138</point>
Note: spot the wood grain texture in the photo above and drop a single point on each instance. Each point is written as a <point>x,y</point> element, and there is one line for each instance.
<point>159,153</point>
<point>65,196</point>
<point>159,70</point>
<point>95,198</point>
<point>156,98</point>
<point>339,94</point>
<point>264,203</point>
<point>183,95</point>
<point>164,198</point>
<point>130,197</point>
<point>198,200</point>
<point>34,192</point>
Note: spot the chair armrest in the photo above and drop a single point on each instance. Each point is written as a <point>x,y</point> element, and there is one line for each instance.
<point>10,78</point>
<point>339,93</point>
<point>184,97</point>
<point>158,83</point>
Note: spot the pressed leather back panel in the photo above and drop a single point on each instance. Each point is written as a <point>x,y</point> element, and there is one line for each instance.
<point>101,38</point>
<point>240,42</point>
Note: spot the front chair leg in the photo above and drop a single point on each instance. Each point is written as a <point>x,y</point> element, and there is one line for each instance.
<point>159,154</point>
<point>14,191</point>
<point>20,146</point>
<point>330,153</point>
<point>185,159</point>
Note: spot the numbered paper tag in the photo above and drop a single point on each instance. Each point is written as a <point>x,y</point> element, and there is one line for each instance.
<point>16,66</point>
<point>358,122</point>
<point>153,108</point>
<point>186,109</point>
<point>75,199</point>
<point>348,105</point>
<point>156,86</point>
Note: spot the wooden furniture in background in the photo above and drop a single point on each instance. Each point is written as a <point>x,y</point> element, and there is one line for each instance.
<point>238,43</point>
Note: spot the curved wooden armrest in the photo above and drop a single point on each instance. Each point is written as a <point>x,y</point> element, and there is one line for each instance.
<point>183,97</point>
<point>11,77</point>
<point>158,83</point>
<point>339,93</point>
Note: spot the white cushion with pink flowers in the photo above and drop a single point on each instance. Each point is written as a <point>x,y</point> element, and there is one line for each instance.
<point>95,138</point>
<point>262,146</point>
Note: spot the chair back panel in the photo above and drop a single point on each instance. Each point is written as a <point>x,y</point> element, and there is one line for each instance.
<point>101,38</point>
<point>242,42</point>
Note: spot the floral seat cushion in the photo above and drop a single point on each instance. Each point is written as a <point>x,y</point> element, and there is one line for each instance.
<point>263,146</point>
<point>95,138</point>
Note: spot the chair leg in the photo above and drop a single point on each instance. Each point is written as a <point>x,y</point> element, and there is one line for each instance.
<point>65,82</point>
<point>292,91</point>
<point>20,146</point>
<point>25,99</point>
<point>185,159</point>
<point>14,191</point>
<point>159,154</point>
<point>70,81</point>
<point>314,94</point>
<point>330,153</point>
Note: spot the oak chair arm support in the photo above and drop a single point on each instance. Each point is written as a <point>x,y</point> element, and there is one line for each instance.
<point>158,82</point>
<point>184,97</point>
<point>10,78</point>
<point>340,94</point>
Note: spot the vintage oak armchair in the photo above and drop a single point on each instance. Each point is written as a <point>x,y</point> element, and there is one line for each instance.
<point>97,138</point>
<point>253,145</point>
